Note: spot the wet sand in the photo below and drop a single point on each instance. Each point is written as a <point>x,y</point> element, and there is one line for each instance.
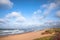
<point>25,36</point>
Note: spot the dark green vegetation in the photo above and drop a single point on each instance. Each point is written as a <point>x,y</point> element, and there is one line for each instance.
<point>45,38</point>
<point>56,32</point>
<point>53,30</point>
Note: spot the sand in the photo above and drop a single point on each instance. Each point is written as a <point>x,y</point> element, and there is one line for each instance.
<point>25,36</point>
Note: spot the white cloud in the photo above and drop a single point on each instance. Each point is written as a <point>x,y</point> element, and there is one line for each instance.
<point>57,2</point>
<point>47,9</point>
<point>53,24</point>
<point>36,14</point>
<point>38,11</point>
<point>58,13</point>
<point>15,16</point>
<point>16,20</point>
<point>39,16</point>
<point>49,21</point>
<point>44,6</point>
<point>2,21</point>
<point>6,4</point>
<point>12,20</point>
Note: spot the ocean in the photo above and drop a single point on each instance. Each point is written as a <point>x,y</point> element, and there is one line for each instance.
<point>10,32</point>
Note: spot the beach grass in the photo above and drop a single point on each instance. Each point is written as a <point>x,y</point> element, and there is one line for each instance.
<point>45,38</point>
<point>50,31</point>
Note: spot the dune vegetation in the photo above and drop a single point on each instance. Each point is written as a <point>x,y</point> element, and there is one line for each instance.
<point>55,36</point>
<point>45,38</point>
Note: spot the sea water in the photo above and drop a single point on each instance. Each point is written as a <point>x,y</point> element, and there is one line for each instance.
<point>9,32</point>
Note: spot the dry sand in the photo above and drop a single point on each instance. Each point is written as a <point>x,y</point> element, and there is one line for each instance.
<point>26,36</point>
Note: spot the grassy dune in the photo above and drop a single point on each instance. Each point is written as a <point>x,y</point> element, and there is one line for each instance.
<point>56,35</point>
<point>45,38</point>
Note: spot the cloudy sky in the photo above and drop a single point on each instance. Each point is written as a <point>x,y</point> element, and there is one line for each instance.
<point>23,13</point>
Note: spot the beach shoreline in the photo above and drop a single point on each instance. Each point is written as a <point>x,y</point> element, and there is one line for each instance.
<point>25,36</point>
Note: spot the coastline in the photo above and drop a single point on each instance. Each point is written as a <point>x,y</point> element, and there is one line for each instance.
<point>24,36</point>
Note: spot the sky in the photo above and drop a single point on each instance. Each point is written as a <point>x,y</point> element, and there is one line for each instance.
<point>24,13</point>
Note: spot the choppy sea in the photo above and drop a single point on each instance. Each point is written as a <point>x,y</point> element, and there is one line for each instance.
<point>10,32</point>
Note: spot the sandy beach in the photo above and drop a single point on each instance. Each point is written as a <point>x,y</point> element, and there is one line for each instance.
<point>25,36</point>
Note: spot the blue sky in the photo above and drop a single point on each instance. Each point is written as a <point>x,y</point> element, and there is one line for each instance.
<point>28,12</point>
<point>27,7</point>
